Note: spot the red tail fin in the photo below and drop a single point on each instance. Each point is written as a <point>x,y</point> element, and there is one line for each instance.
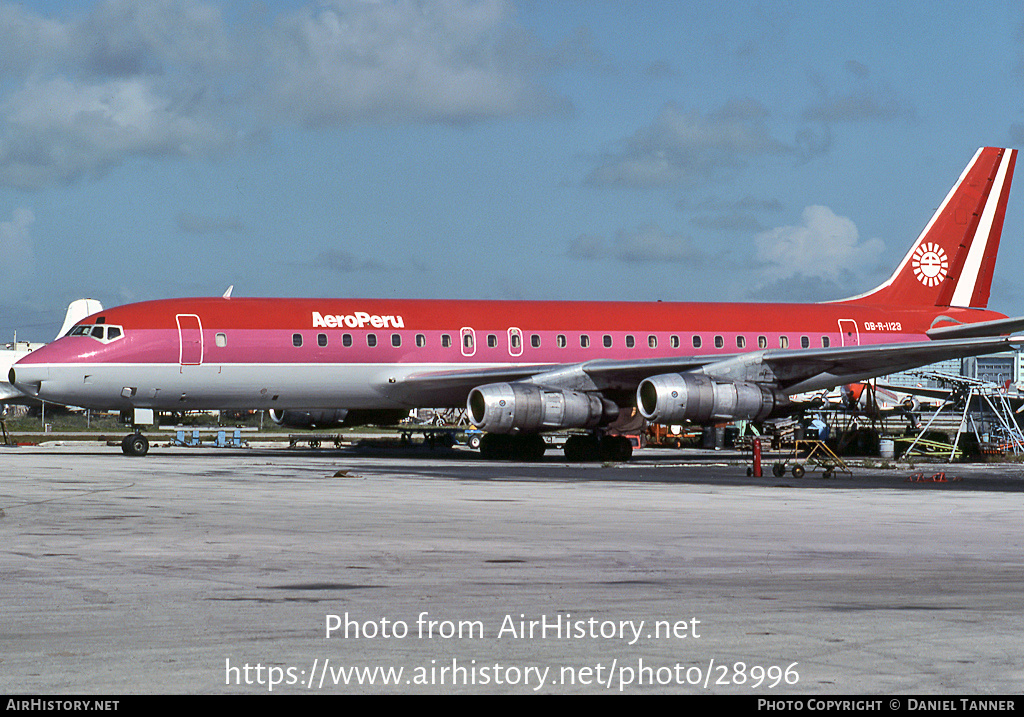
<point>952,262</point>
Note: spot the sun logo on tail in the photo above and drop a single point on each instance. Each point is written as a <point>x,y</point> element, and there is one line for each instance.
<point>930,264</point>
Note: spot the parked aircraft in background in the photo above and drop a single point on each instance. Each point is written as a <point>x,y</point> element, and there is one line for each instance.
<point>523,368</point>
<point>17,350</point>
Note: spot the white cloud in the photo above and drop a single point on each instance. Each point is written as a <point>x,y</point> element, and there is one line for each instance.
<point>824,245</point>
<point>123,79</point>
<point>58,130</point>
<point>344,262</point>
<point>129,78</point>
<point>645,244</point>
<point>687,146</point>
<point>865,101</point>
<point>191,223</point>
<point>588,246</point>
<point>859,106</point>
<point>351,61</point>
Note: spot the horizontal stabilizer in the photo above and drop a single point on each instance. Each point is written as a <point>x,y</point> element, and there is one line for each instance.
<point>998,327</point>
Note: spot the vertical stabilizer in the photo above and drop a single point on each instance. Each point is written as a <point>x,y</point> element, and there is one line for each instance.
<point>78,310</point>
<point>952,262</point>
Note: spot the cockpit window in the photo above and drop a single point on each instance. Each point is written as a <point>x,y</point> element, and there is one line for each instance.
<point>101,332</point>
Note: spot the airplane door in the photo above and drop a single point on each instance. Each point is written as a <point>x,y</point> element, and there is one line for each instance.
<point>515,342</point>
<point>190,340</point>
<point>848,332</point>
<point>468,341</point>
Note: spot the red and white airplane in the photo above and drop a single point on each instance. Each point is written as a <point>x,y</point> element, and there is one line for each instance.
<point>524,368</point>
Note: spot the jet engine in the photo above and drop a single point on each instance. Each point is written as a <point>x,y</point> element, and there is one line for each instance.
<point>675,397</point>
<point>528,408</point>
<point>334,417</point>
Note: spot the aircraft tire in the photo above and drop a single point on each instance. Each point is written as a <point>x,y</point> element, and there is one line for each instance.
<point>581,449</point>
<point>798,471</point>
<point>492,446</point>
<point>134,444</point>
<point>616,448</point>
<point>531,447</point>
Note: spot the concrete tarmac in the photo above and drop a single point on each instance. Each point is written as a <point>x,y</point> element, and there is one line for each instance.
<point>287,571</point>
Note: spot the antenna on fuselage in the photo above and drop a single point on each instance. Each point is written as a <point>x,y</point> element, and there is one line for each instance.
<point>227,294</point>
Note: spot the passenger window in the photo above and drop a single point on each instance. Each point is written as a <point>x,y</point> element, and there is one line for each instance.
<point>719,342</point>
<point>371,340</point>
<point>346,339</point>
<point>630,341</point>
<point>783,342</point>
<point>296,340</point>
<point>321,339</point>
<point>560,341</point>
<point>221,340</point>
<point>584,341</point>
<point>696,342</point>
<point>492,341</point>
<point>805,342</point>
<point>535,341</point>
<point>824,342</point>
<point>396,340</point>
<point>446,341</point>
<point>607,341</point>
<point>421,340</point>
<point>762,342</point>
<point>674,342</point>
<point>741,342</point>
<point>652,341</point>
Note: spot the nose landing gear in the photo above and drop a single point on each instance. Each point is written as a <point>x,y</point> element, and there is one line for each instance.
<point>134,444</point>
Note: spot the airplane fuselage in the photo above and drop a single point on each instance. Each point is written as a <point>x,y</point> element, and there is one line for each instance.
<point>250,353</point>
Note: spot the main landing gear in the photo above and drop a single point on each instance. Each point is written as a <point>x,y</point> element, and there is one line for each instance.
<point>498,446</point>
<point>579,448</point>
<point>591,447</point>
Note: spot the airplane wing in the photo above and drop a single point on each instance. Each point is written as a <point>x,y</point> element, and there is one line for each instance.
<point>790,371</point>
<point>813,370</point>
<point>923,391</point>
<point>9,393</point>
<point>980,328</point>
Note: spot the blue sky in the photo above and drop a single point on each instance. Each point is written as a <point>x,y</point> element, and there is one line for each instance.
<point>735,151</point>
